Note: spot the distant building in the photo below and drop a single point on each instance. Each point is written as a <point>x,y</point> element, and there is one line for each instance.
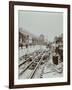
<point>26,38</point>
<point>23,37</point>
<point>34,41</point>
<point>41,39</point>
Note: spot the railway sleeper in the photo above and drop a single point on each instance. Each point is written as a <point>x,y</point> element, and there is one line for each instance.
<point>32,67</point>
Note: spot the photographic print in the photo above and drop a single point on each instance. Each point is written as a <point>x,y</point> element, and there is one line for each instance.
<point>41,49</point>
<point>40,44</point>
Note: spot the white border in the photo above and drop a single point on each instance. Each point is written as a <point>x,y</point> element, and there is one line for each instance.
<point>34,81</point>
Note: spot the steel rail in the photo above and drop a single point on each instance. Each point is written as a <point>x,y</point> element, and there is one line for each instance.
<point>29,64</point>
<point>24,62</point>
<point>32,74</point>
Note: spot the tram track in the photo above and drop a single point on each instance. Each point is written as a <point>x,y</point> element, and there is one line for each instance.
<point>37,60</point>
<point>28,64</point>
<point>24,59</point>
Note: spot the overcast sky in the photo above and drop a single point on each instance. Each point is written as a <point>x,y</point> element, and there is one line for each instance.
<point>50,24</point>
